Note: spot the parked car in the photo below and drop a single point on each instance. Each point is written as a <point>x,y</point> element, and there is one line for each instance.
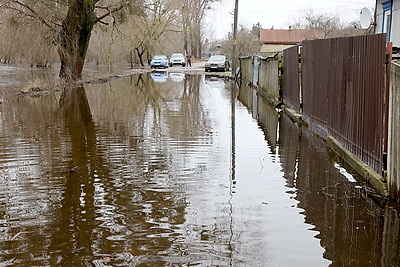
<point>159,61</point>
<point>217,63</point>
<point>177,59</point>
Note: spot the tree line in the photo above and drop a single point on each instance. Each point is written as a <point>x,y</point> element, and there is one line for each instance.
<point>40,32</point>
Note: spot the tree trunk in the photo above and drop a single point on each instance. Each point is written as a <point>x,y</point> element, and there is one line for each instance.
<point>199,41</point>
<point>192,43</point>
<point>185,40</point>
<point>140,56</point>
<point>131,58</point>
<point>74,38</point>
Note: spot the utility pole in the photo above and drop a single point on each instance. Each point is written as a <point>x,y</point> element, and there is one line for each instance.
<point>234,54</point>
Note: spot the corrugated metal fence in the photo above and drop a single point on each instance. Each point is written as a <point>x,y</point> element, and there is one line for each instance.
<point>256,70</point>
<point>344,93</point>
<point>246,67</point>
<point>262,71</point>
<point>291,83</point>
<point>269,76</point>
<point>340,91</point>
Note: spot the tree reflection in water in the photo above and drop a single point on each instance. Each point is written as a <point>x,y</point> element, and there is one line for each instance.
<point>96,214</point>
<point>77,211</point>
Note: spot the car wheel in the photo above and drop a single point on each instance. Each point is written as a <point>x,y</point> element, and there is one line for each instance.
<point>183,64</point>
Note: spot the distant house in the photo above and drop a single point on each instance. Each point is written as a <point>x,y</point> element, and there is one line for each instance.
<point>277,40</point>
<point>387,20</point>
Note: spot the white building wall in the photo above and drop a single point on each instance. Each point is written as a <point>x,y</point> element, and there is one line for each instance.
<point>378,16</point>
<point>395,34</point>
<point>395,21</point>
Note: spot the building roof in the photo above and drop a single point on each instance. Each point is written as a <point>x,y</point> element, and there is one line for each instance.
<point>288,37</point>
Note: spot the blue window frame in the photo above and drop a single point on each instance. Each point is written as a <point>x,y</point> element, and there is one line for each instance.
<point>387,18</point>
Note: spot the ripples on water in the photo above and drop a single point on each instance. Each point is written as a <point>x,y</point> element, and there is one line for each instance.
<point>150,172</point>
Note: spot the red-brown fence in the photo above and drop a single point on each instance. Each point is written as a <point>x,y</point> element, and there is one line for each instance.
<point>291,84</point>
<point>344,93</point>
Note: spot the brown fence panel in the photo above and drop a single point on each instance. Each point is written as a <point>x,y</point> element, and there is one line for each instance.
<point>315,60</point>
<point>291,85</point>
<point>344,93</point>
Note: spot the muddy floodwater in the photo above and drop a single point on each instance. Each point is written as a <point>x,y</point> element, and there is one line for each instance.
<point>168,169</point>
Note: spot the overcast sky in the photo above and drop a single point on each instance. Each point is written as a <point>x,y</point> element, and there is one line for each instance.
<point>278,14</point>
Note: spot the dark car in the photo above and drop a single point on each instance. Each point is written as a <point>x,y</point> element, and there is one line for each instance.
<point>217,63</point>
<point>160,61</point>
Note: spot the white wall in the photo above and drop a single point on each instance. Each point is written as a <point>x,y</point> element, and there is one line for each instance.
<point>395,26</point>
<point>379,16</point>
<point>395,35</point>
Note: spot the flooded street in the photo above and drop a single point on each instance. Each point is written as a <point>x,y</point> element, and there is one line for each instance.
<point>178,170</point>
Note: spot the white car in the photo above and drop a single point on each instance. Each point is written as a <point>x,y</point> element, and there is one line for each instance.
<point>177,59</point>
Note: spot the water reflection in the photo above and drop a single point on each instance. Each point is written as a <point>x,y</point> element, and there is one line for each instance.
<point>264,113</point>
<point>94,209</point>
<point>136,172</point>
<point>177,76</point>
<point>354,229</point>
<point>13,75</point>
<point>159,76</point>
<point>135,210</point>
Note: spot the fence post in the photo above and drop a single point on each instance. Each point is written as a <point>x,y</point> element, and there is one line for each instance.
<point>393,170</point>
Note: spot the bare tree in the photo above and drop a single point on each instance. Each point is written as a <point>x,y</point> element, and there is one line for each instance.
<point>330,25</point>
<point>144,31</point>
<point>71,23</point>
<point>193,12</point>
<point>33,45</point>
<point>247,40</point>
<point>323,22</point>
<point>105,38</point>
<point>45,30</point>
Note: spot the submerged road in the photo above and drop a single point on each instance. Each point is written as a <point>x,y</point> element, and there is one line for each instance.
<point>178,169</point>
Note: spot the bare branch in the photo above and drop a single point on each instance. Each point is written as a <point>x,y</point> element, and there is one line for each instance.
<point>32,13</point>
<point>112,11</point>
